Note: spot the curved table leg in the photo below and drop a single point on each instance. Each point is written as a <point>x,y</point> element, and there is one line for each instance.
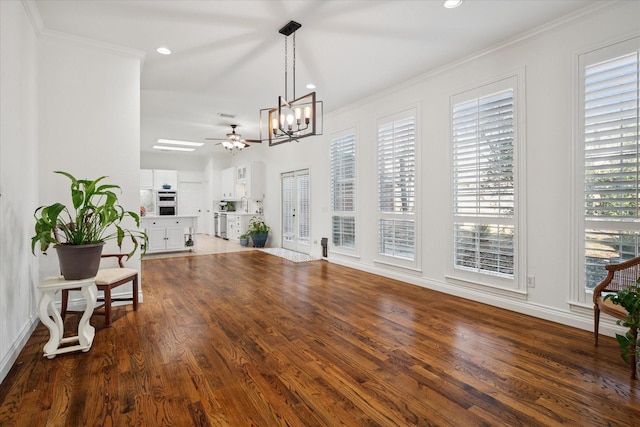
<point>86,332</point>
<point>54,326</point>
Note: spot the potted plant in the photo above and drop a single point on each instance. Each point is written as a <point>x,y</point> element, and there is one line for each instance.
<point>629,299</point>
<point>258,231</point>
<point>244,239</point>
<point>95,218</point>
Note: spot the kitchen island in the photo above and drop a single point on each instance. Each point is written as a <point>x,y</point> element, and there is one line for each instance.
<point>170,233</point>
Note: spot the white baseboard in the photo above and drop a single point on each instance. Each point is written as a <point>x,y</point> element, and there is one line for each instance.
<point>581,319</point>
<point>16,347</point>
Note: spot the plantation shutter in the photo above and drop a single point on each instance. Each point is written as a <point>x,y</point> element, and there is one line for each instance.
<point>288,207</point>
<point>611,184</point>
<point>343,190</point>
<point>483,183</point>
<point>396,188</point>
<point>304,204</point>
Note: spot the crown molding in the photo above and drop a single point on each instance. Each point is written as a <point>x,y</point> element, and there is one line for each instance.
<point>527,35</point>
<point>44,33</point>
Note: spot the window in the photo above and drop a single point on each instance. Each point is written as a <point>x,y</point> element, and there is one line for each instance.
<point>484,191</point>
<point>610,93</point>
<point>343,191</point>
<point>397,187</point>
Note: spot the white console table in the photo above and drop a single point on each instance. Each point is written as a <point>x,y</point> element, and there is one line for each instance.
<point>46,310</point>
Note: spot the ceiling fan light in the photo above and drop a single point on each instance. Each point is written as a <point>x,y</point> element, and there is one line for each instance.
<point>450,4</point>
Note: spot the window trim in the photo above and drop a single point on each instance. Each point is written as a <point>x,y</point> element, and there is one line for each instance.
<point>494,284</point>
<point>385,260</point>
<point>579,296</point>
<point>343,250</point>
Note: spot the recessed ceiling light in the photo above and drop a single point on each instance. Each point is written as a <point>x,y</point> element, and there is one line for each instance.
<point>177,142</point>
<point>164,50</point>
<point>170,148</point>
<point>450,4</point>
<point>311,86</point>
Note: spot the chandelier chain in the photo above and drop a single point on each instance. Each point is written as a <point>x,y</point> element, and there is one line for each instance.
<point>286,68</point>
<point>286,77</point>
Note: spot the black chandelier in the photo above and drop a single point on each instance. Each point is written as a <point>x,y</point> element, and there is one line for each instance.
<point>296,119</point>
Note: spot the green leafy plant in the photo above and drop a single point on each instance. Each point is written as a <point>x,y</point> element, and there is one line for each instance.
<point>257,226</point>
<point>96,217</point>
<point>629,299</point>
<point>245,235</point>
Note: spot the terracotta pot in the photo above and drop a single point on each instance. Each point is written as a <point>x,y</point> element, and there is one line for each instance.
<point>79,261</point>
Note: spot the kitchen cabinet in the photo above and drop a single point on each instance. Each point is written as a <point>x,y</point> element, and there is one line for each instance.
<point>146,179</point>
<point>251,185</point>
<point>154,179</point>
<point>237,224</point>
<point>167,234</point>
<point>229,184</point>
<point>168,177</point>
<point>241,174</point>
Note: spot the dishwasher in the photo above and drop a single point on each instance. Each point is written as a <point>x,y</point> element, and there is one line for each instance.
<point>222,225</point>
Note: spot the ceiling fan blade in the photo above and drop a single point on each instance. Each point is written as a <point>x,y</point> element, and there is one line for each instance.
<point>258,141</point>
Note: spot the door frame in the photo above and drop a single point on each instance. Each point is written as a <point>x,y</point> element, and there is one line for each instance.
<point>295,243</point>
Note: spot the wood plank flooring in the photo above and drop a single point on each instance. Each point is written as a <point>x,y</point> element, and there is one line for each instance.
<point>249,339</point>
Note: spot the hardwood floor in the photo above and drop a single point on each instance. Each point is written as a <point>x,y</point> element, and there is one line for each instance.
<point>250,339</point>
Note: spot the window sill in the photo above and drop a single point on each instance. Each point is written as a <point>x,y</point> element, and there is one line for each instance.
<point>487,288</point>
<point>398,267</point>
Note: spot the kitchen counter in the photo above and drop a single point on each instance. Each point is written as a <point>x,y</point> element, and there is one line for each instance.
<point>236,213</point>
<point>153,216</point>
<point>170,233</point>
<point>238,224</point>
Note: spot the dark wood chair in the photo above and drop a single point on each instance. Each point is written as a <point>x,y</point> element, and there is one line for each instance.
<point>107,279</point>
<point>620,276</point>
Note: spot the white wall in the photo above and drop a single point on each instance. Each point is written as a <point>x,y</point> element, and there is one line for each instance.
<point>546,60</point>
<point>89,108</point>
<point>18,180</point>
<point>171,161</point>
<point>66,105</point>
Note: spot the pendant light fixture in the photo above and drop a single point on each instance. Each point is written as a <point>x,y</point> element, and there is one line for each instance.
<point>291,119</point>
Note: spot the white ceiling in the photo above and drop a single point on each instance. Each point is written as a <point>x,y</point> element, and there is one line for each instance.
<point>228,56</point>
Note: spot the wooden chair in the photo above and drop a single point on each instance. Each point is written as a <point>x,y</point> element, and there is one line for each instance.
<point>620,276</point>
<point>107,279</point>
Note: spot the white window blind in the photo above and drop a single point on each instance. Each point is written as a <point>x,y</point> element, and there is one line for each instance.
<point>396,188</point>
<point>343,190</point>
<point>483,183</point>
<point>288,207</point>
<point>611,157</point>
<point>304,206</point>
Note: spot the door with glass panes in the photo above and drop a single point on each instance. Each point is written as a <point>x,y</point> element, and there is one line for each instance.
<point>296,205</point>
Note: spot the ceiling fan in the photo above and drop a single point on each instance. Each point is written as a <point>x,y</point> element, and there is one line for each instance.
<point>233,141</point>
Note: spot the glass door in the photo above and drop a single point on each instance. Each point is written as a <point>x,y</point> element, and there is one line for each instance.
<point>296,204</point>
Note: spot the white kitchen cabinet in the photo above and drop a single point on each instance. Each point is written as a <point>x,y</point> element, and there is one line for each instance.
<point>252,184</point>
<point>165,177</point>
<point>146,179</point>
<point>229,184</point>
<point>168,234</point>
<point>241,174</point>
<point>237,224</point>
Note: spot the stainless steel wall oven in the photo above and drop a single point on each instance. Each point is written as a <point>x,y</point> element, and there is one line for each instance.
<point>167,203</point>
